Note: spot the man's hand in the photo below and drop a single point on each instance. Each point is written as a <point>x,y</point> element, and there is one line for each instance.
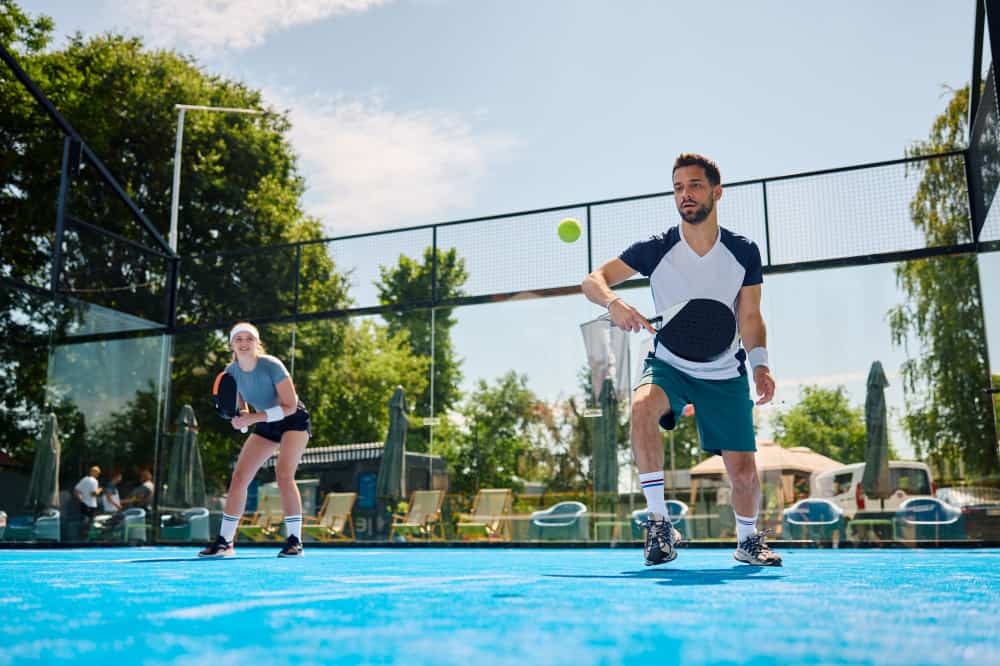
<point>765,384</point>
<point>627,318</point>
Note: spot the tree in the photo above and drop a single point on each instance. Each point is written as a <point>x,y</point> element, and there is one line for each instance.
<point>948,417</point>
<point>498,421</point>
<point>824,421</point>
<point>353,405</point>
<point>410,281</point>
<point>240,188</point>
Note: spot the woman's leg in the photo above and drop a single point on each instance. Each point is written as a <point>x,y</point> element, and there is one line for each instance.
<point>255,453</point>
<point>293,444</point>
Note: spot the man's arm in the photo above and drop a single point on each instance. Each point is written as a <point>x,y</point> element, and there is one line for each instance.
<point>754,335</point>
<point>597,289</point>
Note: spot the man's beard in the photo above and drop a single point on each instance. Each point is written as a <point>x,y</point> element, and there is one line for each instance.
<point>698,215</point>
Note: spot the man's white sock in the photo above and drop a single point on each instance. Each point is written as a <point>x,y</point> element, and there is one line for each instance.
<point>652,488</point>
<point>746,526</point>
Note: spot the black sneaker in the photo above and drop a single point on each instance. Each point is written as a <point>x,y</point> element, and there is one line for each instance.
<point>293,547</point>
<point>219,548</point>
<point>754,550</point>
<point>661,537</point>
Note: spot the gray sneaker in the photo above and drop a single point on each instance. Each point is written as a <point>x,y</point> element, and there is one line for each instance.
<point>755,551</point>
<point>661,537</point>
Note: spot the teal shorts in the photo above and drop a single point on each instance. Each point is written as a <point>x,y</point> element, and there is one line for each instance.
<point>723,409</point>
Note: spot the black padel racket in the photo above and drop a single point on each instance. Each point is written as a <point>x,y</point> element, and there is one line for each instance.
<point>224,397</point>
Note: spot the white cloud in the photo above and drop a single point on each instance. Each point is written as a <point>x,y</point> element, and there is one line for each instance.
<point>206,26</point>
<point>369,167</point>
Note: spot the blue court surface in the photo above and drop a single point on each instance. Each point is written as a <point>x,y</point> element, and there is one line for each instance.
<point>498,606</point>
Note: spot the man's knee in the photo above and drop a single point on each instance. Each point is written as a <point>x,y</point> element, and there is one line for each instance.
<point>648,407</point>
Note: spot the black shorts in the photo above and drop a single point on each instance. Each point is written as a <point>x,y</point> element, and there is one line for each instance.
<point>274,430</point>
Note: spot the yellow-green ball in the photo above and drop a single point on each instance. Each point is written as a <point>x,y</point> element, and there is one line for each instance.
<point>569,230</point>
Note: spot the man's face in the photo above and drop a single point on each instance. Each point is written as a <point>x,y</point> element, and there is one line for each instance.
<point>694,195</point>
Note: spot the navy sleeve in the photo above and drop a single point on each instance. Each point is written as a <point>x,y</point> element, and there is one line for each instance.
<point>755,273</point>
<point>644,255</point>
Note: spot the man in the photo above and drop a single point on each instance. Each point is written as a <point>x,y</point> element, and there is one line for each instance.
<point>110,499</point>
<point>86,492</point>
<point>696,259</point>
<point>142,495</point>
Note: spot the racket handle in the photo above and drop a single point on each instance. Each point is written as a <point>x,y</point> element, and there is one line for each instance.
<point>243,430</point>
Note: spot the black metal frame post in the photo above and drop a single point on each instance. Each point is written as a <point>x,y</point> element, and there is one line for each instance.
<point>767,222</point>
<point>57,241</point>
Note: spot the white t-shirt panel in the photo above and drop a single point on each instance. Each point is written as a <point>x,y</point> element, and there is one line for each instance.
<point>677,273</point>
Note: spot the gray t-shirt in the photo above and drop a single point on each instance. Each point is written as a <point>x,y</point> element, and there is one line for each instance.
<point>258,386</point>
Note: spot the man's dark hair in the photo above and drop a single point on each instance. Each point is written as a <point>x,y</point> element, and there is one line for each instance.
<point>694,159</point>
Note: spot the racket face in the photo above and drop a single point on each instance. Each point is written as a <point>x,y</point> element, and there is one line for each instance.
<point>699,330</point>
<point>224,395</point>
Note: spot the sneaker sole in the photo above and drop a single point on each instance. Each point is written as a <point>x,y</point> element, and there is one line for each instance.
<point>218,556</point>
<point>755,563</point>
<point>667,560</point>
<point>289,555</point>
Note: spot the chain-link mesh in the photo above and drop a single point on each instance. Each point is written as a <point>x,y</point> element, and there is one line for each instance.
<point>846,214</point>
<point>364,258</point>
<point>112,272</point>
<point>518,252</point>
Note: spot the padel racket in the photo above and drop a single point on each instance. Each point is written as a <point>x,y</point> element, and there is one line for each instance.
<point>698,330</point>
<point>224,397</point>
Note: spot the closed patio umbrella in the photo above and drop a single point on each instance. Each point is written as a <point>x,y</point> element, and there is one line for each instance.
<point>43,489</point>
<point>605,458</point>
<point>390,482</point>
<point>875,481</point>
<point>185,474</point>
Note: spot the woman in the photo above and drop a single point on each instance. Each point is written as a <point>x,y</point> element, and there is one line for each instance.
<point>279,419</point>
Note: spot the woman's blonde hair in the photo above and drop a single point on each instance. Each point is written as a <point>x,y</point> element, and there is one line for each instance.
<point>246,327</point>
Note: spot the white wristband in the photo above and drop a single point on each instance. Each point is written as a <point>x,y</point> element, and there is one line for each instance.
<point>758,356</point>
<point>275,413</point>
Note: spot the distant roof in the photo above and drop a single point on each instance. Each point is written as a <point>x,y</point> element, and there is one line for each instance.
<point>324,455</point>
<point>771,456</point>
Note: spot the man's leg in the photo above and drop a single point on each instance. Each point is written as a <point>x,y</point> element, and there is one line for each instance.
<point>750,545</point>
<point>649,403</point>
<point>742,471</point>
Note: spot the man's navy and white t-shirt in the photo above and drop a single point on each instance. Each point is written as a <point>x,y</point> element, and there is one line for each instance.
<point>677,273</point>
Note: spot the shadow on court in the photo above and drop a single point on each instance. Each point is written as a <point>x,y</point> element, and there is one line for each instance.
<point>685,576</point>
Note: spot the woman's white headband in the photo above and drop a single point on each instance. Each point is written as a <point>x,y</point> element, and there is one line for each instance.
<point>243,328</point>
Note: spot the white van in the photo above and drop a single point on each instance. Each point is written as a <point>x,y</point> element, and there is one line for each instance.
<point>843,486</point>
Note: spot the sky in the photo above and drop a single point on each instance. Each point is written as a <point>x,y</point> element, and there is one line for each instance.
<point>408,112</point>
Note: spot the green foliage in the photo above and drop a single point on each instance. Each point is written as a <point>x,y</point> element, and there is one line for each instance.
<point>357,383</point>
<point>824,421</point>
<point>948,418</point>
<point>408,282</point>
<point>499,423</point>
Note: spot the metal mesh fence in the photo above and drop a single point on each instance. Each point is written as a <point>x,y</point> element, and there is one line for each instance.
<point>363,258</point>
<point>108,270</point>
<point>518,253</point>
<point>845,214</point>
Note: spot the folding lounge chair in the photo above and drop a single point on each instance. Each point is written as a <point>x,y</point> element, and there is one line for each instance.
<point>490,517</point>
<point>423,516</point>
<point>334,521</point>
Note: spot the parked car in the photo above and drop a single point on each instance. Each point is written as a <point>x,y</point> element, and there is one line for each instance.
<point>981,507</point>
<point>843,486</point>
